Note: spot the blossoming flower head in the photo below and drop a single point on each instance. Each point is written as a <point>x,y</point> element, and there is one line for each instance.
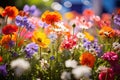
<point>6,39</point>
<point>20,66</point>
<point>87,59</point>
<point>69,42</point>
<point>3,70</point>
<point>24,22</point>
<point>51,17</point>
<point>30,49</point>
<point>82,72</point>
<point>107,32</point>
<point>106,74</point>
<point>32,10</point>
<point>40,39</point>
<point>116,46</point>
<point>10,11</point>
<point>111,57</point>
<point>91,46</point>
<point>71,63</point>
<point>9,29</point>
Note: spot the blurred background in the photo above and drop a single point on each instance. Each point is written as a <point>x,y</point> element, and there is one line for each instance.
<point>99,6</point>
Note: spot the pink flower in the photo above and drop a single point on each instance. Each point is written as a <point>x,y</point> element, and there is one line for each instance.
<point>70,42</point>
<point>25,34</point>
<point>111,57</point>
<point>106,74</point>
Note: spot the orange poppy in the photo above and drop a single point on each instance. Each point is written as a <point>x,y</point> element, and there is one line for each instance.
<point>51,17</point>
<point>6,40</point>
<point>10,11</point>
<point>87,59</point>
<point>107,32</point>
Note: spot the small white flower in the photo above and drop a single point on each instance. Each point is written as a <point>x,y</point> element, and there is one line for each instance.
<point>20,66</point>
<point>44,64</point>
<point>116,46</point>
<point>81,71</point>
<point>66,75</point>
<point>71,63</point>
<point>80,35</point>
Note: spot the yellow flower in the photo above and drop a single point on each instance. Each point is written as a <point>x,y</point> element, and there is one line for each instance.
<point>88,36</point>
<point>51,17</point>
<point>40,39</point>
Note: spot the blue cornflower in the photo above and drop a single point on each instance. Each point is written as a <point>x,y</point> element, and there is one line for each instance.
<point>20,21</point>
<point>30,49</point>
<point>94,46</point>
<point>24,22</point>
<point>29,26</point>
<point>32,10</point>
<point>86,44</point>
<point>3,70</point>
<point>52,58</point>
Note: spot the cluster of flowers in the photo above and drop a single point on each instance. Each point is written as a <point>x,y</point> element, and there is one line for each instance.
<point>49,47</point>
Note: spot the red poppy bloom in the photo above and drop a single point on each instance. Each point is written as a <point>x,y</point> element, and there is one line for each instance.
<point>10,11</point>
<point>51,17</point>
<point>9,29</point>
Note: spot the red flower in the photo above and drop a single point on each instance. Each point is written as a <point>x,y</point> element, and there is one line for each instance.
<point>107,74</point>
<point>9,29</point>
<point>1,59</point>
<point>10,11</point>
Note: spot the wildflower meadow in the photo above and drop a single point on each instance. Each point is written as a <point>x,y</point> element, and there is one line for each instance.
<point>50,45</point>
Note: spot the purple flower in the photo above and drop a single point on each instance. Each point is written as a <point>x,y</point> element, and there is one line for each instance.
<point>24,22</point>
<point>111,57</point>
<point>42,24</point>
<point>21,21</point>
<point>3,70</point>
<point>32,10</point>
<point>117,19</point>
<point>52,58</point>
<point>30,49</point>
<point>11,43</point>
<point>88,45</point>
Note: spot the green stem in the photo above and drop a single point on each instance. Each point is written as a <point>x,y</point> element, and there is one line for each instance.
<point>40,53</point>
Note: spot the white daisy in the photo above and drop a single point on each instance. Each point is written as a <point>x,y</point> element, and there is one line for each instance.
<point>71,63</point>
<point>81,72</point>
<point>20,66</point>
